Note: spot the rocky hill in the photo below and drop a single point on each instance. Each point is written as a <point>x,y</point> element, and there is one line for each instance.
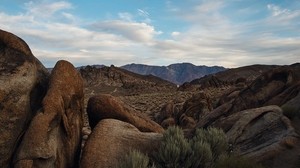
<point>175,73</point>
<point>229,77</point>
<point>116,81</point>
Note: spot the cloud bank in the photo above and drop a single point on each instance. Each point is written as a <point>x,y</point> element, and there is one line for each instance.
<point>211,34</point>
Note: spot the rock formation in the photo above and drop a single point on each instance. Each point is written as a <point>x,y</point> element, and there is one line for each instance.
<point>190,113</point>
<point>112,139</point>
<point>260,133</point>
<point>53,138</point>
<point>274,87</point>
<point>23,83</point>
<point>106,106</point>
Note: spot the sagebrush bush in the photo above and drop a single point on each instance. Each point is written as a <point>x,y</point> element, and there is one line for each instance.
<point>207,149</point>
<point>134,159</point>
<point>201,155</point>
<point>174,149</point>
<point>216,138</point>
<point>235,162</point>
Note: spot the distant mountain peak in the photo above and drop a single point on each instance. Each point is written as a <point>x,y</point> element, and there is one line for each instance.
<point>177,73</point>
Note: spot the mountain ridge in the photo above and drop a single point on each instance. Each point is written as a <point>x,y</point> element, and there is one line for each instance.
<point>177,73</point>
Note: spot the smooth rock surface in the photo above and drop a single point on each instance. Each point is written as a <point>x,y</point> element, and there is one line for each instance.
<point>112,139</point>
<point>105,106</point>
<point>23,83</point>
<point>260,133</point>
<point>53,138</point>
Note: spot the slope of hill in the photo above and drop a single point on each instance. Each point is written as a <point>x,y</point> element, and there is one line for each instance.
<point>117,81</point>
<point>175,73</point>
<point>232,76</point>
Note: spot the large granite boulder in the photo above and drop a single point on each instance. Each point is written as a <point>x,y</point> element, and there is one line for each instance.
<point>23,83</point>
<point>53,138</point>
<point>105,106</point>
<point>260,133</point>
<point>112,139</point>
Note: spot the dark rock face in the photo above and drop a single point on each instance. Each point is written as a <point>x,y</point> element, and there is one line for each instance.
<point>112,139</point>
<point>175,73</point>
<point>106,106</point>
<point>23,83</point>
<point>53,138</point>
<point>260,133</point>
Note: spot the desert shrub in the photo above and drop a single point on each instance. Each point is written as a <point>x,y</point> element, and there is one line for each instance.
<point>201,155</point>
<point>174,149</point>
<point>290,112</point>
<point>201,151</point>
<point>235,162</point>
<point>134,159</point>
<point>206,149</point>
<point>216,138</point>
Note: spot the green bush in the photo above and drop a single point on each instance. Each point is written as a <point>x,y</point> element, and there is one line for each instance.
<point>134,159</point>
<point>174,149</point>
<point>235,162</point>
<point>201,155</point>
<point>216,138</point>
<point>206,149</point>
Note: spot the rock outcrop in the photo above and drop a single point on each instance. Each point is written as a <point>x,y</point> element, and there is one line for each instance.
<point>106,106</point>
<point>112,139</point>
<point>260,133</point>
<point>23,83</point>
<point>192,110</point>
<point>275,87</point>
<point>53,138</point>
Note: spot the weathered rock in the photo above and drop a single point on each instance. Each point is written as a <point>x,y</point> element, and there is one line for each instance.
<point>53,138</point>
<point>169,110</point>
<point>168,122</point>
<point>274,87</point>
<point>23,83</point>
<point>260,133</point>
<point>196,107</point>
<point>187,122</point>
<point>112,139</point>
<point>106,106</point>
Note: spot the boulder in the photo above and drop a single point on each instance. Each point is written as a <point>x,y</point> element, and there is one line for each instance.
<point>168,122</point>
<point>53,138</point>
<point>169,110</point>
<point>112,139</point>
<point>23,83</point>
<point>260,133</point>
<point>106,106</point>
<point>195,107</point>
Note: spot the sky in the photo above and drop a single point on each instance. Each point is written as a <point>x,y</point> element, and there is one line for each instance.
<point>229,33</point>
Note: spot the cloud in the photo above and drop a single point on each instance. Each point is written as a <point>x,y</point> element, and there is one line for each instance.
<point>143,13</point>
<point>276,10</point>
<point>210,35</point>
<point>138,32</point>
<point>126,16</point>
<point>46,9</point>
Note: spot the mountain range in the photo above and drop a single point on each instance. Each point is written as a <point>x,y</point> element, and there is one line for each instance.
<point>178,73</point>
